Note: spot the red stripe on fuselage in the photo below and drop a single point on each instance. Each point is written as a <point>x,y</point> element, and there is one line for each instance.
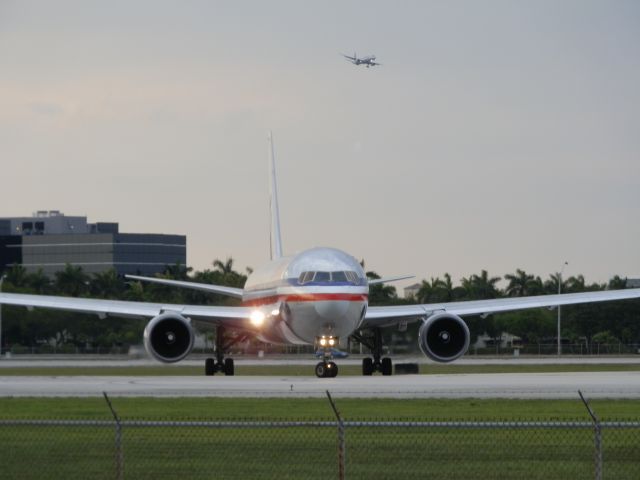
<point>307,297</point>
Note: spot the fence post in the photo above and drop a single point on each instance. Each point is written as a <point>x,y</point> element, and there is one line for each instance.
<point>118,441</point>
<point>341,444</point>
<point>597,437</point>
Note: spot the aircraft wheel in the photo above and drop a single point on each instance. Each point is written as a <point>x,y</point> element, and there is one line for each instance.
<point>333,370</point>
<point>367,366</point>
<point>387,366</point>
<point>229,368</point>
<point>321,370</point>
<point>209,367</point>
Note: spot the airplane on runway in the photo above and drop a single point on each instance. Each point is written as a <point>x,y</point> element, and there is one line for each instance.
<point>369,61</point>
<point>316,297</point>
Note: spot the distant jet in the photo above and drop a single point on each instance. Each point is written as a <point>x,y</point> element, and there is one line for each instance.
<point>369,61</point>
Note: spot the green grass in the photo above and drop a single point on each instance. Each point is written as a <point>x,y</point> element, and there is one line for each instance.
<point>315,408</point>
<point>34,452</point>
<point>310,452</point>
<point>305,370</point>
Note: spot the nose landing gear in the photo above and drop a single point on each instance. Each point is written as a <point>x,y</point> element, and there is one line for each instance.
<point>326,370</point>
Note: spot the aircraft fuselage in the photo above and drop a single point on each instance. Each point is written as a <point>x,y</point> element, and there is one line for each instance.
<point>321,292</point>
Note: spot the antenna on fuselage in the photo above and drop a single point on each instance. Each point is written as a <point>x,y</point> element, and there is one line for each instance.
<point>276,241</point>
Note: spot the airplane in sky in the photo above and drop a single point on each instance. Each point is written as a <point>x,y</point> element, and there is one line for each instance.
<point>369,61</point>
<point>316,297</point>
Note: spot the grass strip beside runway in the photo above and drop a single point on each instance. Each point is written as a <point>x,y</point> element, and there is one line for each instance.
<point>30,451</point>
<point>314,409</point>
<point>305,370</point>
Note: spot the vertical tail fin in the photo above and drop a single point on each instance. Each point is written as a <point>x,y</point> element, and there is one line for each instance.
<point>276,241</point>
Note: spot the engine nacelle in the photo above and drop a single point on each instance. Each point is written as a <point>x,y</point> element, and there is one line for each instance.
<point>444,337</point>
<point>169,337</point>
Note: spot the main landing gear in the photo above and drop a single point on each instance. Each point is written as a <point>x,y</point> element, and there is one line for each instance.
<point>221,364</point>
<point>377,363</point>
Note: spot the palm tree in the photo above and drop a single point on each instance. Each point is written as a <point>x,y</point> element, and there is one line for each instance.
<point>520,284</point>
<point>481,286</point>
<point>437,290</point>
<point>17,275</point>
<point>224,267</point>
<point>447,286</point>
<point>576,284</point>
<point>72,280</point>
<point>226,275</point>
<point>380,294</point>
<point>617,283</point>
<point>135,292</point>
<point>38,281</point>
<point>107,284</point>
<point>536,287</point>
<point>551,285</point>
<point>449,292</point>
<point>427,289</point>
<point>177,271</point>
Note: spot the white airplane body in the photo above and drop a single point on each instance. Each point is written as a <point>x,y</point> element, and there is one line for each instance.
<point>368,61</point>
<point>317,297</point>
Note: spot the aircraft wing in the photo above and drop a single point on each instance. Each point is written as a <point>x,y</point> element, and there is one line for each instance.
<point>375,281</point>
<point>205,287</point>
<point>235,317</point>
<point>391,315</point>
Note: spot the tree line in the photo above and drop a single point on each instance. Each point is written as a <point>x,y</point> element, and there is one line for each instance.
<point>604,323</point>
<point>608,322</point>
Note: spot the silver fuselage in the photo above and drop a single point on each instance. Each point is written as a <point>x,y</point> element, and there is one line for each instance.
<point>299,309</point>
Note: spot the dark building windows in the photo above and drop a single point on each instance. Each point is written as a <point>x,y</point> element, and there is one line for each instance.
<point>94,247</point>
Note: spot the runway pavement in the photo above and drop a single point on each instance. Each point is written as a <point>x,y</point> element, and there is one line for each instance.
<point>531,386</point>
<point>124,361</point>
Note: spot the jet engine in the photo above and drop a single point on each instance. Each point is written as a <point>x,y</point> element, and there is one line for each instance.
<point>169,337</point>
<point>444,337</point>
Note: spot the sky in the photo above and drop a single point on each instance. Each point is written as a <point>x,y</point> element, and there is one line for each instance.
<point>496,135</point>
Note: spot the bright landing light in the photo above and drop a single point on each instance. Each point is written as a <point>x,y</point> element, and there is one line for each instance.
<point>327,341</point>
<point>256,318</point>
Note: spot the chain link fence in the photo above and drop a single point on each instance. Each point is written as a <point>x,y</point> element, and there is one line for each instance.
<point>133,449</point>
<point>589,349</point>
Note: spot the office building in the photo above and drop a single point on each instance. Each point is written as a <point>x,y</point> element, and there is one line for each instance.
<point>49,240</point>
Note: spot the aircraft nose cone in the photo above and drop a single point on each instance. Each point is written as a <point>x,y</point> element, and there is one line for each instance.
<point>331,310</point>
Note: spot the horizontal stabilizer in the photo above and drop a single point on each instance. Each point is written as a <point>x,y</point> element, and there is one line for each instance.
<point>205,287</point>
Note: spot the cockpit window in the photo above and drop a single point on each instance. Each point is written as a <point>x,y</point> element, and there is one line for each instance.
<point>338,277</point>
<point>352,277</point>
<point>305,277</point>
<point>322,277</point>
<point>329,277</point>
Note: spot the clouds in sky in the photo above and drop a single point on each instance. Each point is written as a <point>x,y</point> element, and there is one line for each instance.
<point>496,135</point>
